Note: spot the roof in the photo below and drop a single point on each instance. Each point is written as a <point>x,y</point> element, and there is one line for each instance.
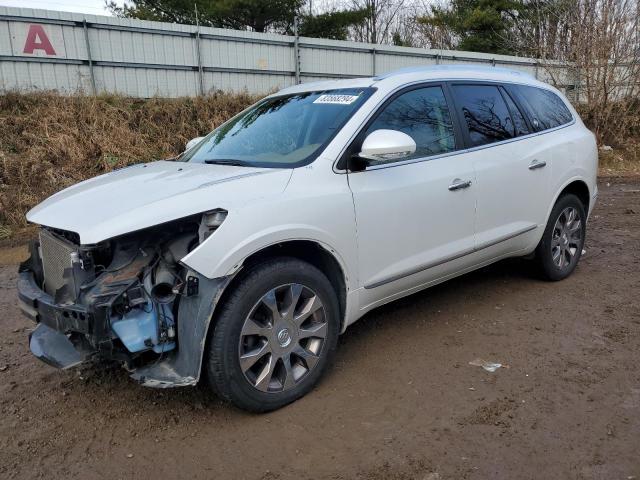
<point>418,73</point>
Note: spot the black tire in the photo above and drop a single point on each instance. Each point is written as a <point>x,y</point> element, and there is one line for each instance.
<point>545,250</point>
<point>224,372</point>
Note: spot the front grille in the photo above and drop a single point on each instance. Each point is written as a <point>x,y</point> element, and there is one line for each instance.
<point>56,256</point>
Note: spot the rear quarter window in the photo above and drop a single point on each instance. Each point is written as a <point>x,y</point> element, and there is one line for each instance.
<point>544,108</point>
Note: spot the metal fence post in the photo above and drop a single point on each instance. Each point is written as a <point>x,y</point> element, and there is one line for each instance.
<point>199,57</point>
<point>373,61</point>
<point>296,50</point>
<point>88,45</point>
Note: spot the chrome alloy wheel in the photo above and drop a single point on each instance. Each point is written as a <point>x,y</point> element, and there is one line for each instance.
<point>566,239</point>
<point>282,338</point>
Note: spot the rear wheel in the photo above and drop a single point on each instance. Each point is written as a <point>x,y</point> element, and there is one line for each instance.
<point>561,246</point>
<point>275,335</point>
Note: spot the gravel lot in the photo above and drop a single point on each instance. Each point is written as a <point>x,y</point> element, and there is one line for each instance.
<point>402,401</point>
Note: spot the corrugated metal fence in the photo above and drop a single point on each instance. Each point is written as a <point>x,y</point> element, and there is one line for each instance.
<point>44,49</point>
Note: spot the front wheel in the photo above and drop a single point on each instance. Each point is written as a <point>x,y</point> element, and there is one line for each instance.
<point>275,335</point>
<point>561,246</point>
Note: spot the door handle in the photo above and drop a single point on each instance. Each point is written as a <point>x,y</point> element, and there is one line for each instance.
<point>459,184</point>
<point>537,164</point>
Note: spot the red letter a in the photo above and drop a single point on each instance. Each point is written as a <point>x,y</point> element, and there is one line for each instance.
<point>38,40</point>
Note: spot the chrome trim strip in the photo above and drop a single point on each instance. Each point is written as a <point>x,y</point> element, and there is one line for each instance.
<point>506,237</point>
<point>442,261</point>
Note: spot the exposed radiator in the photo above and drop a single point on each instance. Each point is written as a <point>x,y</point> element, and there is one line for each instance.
<point>56,256</point>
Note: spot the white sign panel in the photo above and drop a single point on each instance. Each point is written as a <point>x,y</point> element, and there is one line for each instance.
<point>37,40</point>
<point>336,99</point>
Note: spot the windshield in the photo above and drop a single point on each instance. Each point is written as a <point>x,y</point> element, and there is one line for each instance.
<point>280,132</point>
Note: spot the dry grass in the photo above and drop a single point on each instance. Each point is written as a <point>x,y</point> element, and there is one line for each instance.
<point>620,161</point>
<point>49,141</point>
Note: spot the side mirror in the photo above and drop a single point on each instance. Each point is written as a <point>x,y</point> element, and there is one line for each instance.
<point>385,145</point>
<point>192,143</point>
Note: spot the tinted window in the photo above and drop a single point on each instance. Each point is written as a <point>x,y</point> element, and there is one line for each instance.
<point>544,108</point>
<point>424,116</point>
<point>518,119</point>
<point>485,113</point>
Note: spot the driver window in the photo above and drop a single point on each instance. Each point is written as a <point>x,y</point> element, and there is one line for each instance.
<point>424,116</point>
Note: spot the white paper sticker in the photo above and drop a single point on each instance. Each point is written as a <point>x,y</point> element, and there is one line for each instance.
<point>336,99</point>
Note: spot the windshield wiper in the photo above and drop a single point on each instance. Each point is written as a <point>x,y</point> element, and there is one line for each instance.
<point>235,163</point>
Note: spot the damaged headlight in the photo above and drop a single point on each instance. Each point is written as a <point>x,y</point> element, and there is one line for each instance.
<point>210,222</point>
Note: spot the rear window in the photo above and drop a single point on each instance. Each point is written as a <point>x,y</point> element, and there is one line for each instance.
<point>485,113</point>
<point>544,108</point>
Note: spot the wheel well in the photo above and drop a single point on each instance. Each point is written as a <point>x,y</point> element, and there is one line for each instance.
<point>307,251</point>
<point>580,190</point>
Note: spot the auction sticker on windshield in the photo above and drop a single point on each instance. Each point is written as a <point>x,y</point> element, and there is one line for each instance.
<point>336,99</point>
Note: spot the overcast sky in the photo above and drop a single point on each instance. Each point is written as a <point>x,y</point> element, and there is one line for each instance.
<point>95,7</point>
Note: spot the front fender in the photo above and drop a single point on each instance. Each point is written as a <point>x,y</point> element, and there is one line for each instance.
<point>221,256</point>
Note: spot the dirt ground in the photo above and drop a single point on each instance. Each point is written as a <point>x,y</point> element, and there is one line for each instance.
<point>402,401</point>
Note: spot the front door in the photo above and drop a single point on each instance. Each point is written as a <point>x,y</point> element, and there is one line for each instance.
<point>415,216</point>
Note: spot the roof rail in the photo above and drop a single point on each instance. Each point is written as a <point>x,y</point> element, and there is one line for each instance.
<point>450,68</point>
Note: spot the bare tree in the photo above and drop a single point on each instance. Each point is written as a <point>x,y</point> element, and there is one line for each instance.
<point>381,22</point>
<point>600,41</point>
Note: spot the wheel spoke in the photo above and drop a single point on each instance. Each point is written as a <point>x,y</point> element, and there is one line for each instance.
<point>309,358</point>
<point>269,301</point>
<point>249,359</point>
<point>556,256</point>
<point>251,327</point>
<point>575,230</point>
<point>313,305</point>
<point>295,290</point>
<point>289,379</point>
<point>318,330</point>
<point>264,378</point>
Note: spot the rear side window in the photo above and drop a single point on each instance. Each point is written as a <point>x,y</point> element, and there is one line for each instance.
<point>485,113</point>
<point>521,127</point>
<point>544,108</point>
<point>422,114</point>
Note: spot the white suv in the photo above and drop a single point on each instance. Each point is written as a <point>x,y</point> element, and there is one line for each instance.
<point>242,261</point>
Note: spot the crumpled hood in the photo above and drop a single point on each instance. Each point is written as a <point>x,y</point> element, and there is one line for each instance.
<point>144,195</point>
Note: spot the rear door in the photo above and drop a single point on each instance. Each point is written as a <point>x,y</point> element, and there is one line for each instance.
<point>414,216</point>
<point>512,178</point>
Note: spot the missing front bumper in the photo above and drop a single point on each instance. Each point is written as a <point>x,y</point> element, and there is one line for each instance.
<point>60,337</point>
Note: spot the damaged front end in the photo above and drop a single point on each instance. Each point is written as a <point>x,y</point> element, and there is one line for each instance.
<point>127,299</point>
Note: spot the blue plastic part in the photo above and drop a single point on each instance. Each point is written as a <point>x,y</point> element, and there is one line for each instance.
<point>138,327</point>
